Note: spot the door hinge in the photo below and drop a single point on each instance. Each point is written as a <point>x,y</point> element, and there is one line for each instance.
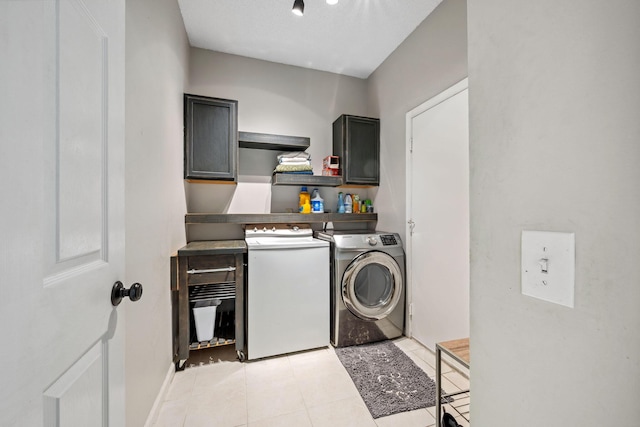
<point>410,309</point>
<point>411,146</point>
<point>412,225</point>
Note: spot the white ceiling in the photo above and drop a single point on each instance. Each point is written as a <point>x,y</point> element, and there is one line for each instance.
<point>352,37</point>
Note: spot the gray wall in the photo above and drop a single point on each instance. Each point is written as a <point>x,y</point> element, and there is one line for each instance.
<point>555,145</point>
<point>276,98</point>
<point>272,98</point>
<point>431,59</point>
<point>156,69</point>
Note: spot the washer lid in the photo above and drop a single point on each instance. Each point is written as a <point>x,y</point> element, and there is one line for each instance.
<point>281,236</point>
<point>278,230</point>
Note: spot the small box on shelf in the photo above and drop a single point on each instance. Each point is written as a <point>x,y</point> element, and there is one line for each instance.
<point>331,172</point>
<point>331,162</point>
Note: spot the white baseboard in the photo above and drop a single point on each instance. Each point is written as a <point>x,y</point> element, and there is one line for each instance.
<point>155,410</point>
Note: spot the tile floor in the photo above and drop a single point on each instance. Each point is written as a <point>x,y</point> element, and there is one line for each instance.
<point>303,389</point>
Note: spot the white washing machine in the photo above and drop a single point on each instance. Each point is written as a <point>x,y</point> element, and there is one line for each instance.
<point>287,290</point>
<point>367,286</point>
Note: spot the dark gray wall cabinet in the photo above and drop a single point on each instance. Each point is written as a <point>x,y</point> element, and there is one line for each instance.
<point>210,138</point>
<point>356,140</point>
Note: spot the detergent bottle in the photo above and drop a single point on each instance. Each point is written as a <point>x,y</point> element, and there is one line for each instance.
<point>304,205</point>
<point>348,204</point>
<point>356,203</point>
<point>317,203</point>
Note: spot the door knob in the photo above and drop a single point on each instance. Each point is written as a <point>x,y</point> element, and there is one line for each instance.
<point>118,292</point>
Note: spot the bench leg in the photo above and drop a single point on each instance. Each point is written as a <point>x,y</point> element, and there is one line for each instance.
<point>438,387</point>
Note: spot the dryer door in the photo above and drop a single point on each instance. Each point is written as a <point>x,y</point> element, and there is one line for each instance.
<point>372,285</point>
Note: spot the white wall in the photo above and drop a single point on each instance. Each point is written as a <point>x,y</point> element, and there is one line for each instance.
<point>555,145</point>
<point>156,69</point>
<point>431,59</point>
<point>272,98</point>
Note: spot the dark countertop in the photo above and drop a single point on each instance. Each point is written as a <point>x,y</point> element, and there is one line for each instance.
<point>213,247</point>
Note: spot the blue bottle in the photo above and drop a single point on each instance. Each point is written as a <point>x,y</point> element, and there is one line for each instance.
<point>340,203</point>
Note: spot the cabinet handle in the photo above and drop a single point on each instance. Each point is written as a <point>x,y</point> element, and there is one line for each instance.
<point>211,270</point>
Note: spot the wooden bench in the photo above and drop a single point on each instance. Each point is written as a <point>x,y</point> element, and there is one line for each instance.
<point>458,351</point>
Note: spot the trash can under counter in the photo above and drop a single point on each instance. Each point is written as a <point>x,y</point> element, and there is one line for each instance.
<point>204,316</point>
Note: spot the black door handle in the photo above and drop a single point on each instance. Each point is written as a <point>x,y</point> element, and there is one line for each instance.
<point>118,292</point>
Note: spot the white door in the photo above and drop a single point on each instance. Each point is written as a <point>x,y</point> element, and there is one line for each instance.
<point>438,217</point>
<point>62,212</point>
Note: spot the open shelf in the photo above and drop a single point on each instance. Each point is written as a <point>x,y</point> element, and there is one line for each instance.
<point>309,180</point>
<point>277,218</point>
<point>268,141</point>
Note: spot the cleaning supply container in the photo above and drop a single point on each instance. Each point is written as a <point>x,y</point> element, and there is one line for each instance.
<point>348,204</point>
<point>304,204</point>
<point>340,208</point>
<point>356,203</point>
<point>317,203</point>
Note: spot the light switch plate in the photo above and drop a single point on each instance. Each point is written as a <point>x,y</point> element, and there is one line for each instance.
<point>548,266</point>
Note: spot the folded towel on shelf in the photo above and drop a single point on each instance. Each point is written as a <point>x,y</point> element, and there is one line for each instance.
<point>296,163</point>
<point>296,173</point>
<point>295,156</point>
<point>293,168</point>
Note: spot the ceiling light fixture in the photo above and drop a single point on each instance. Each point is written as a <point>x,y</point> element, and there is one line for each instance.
<point>332,2</point>
<point>298,7</point>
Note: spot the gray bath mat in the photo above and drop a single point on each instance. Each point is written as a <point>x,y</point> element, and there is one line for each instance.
<point>387,379</point>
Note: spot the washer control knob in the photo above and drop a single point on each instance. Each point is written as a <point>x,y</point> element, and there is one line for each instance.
<point>273,229</point>
<point>296,228</point>
<point>264,229</point>
<point>372,241</point>
<point>255,229</point>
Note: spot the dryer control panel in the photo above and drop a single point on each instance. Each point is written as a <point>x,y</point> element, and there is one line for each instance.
<point>388,240</point>
<point>361,239</point>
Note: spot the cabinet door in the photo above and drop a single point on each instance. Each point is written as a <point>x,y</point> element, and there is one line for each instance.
<point>211,138</point>
<point>357,141</point>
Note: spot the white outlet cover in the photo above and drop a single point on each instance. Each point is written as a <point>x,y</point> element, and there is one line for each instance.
<point>554,252</point>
